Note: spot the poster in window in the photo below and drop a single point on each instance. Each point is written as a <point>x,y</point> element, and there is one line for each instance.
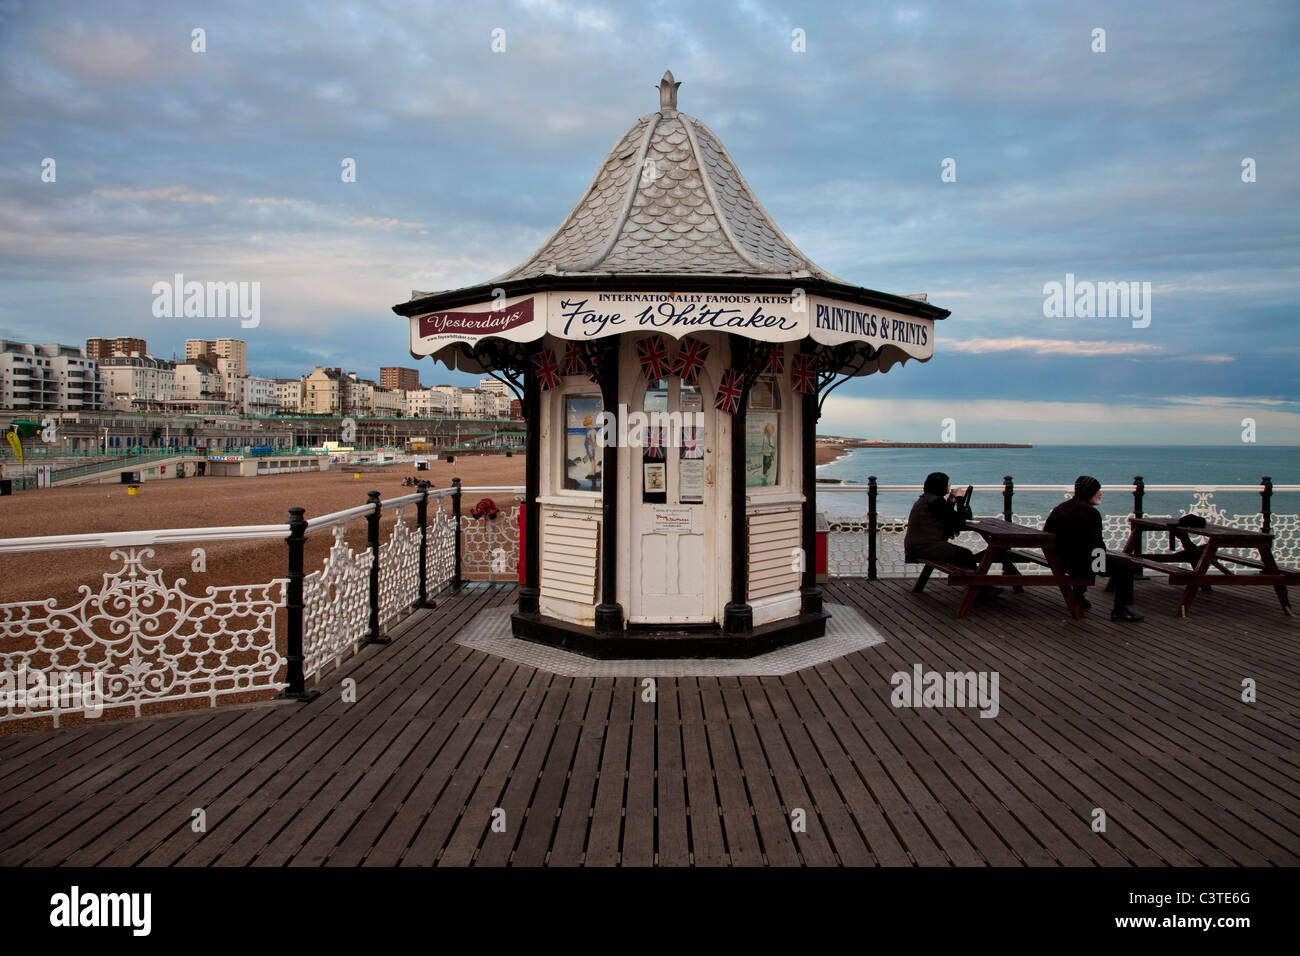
<point>656,481</point>
<point>690,478</point>
<point>761,394</point>
<point>582,448</point>
<point>762,441</point>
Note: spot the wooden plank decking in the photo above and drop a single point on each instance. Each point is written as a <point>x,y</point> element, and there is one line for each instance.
<point>1142,721</point>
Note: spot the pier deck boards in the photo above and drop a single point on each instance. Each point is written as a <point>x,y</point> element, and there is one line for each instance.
<point>1142,721</point>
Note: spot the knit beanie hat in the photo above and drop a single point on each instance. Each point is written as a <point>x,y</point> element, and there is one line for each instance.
<point>1085,486</point>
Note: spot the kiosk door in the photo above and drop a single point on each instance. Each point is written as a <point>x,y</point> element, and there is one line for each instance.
<point>671,504</point>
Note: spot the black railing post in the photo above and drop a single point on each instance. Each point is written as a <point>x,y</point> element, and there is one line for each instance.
<point>1266,504</point>
<point>295,679</point>
<point>372,541</point>
<point>455,517</point>
<point>872,518</point>
<point>737,614</point>
<point>1139,500</point>
<point>422,522</point>
<point>530,543</point>
<point>1008,490</point>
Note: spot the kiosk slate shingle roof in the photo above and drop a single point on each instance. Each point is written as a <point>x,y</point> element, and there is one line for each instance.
<point>668,199</point>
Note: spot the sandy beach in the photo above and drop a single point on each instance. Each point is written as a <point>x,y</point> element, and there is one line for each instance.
<point>828,452</point>
<point>209,502</point>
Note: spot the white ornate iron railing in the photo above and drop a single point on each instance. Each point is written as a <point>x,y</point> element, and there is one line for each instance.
<point>135,639</point>
<point>138,640</point>
<point>868,543</point>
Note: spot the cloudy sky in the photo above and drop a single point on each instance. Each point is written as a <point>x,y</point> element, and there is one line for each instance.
<point>1122,165</point>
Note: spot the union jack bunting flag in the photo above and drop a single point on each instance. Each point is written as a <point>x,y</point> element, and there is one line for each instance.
<point>547,369</point>
<point>655,443</point>
<point>691,355</point>
<point>654,357</point>
<point>728,399</point>
<point>775,360</point>
<point>803,374</point>
<point>692,443</point>
<point>575,360</point>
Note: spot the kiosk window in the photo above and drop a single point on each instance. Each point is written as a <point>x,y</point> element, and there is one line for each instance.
<point>582,448</point>
<point>654,450</point>
<point>690,470</point>
<point>763,434</point>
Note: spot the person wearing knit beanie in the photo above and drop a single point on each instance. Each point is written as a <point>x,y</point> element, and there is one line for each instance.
<point>1086,486</point>
<point>1082,547</point>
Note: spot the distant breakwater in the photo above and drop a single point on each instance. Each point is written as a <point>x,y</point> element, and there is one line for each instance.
<point>925,444</point>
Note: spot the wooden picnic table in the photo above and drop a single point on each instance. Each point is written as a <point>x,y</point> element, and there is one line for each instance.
<point>1219,538</point>
<point>1006,543</point>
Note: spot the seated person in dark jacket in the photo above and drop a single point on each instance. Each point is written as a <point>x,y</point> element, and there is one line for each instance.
<point>1077,526</point>
<point>933,520</point>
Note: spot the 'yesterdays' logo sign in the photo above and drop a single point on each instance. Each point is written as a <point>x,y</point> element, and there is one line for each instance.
<point>76,909</point>
<point>476,323</point>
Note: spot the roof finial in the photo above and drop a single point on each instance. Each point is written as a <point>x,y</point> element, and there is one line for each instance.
<point>668,92</point>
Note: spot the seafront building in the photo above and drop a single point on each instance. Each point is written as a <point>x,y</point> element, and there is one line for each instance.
<point>100,349</point>
<point>137,382</point>
<point>118,374</point>
<point>48,377</point>
<point>235,351</point>
<point>323,392</point>
<point>401,379</point>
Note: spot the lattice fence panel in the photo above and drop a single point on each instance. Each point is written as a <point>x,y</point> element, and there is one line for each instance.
<point>336,606</point>
<point>490,546</point>
<point>399,570</point>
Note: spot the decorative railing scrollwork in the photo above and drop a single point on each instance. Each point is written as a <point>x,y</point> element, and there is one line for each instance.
<point>148,642</point>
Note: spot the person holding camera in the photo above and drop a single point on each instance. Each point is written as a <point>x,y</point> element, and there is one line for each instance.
<point>934,519</point>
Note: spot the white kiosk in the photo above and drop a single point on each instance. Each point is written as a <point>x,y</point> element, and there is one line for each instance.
<point>671,348</point>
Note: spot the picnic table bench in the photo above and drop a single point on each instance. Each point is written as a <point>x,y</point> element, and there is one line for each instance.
<point>1201,557</point>
<point>1006,545</point>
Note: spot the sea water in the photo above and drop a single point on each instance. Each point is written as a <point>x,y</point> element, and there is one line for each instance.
<point>1114,466</point>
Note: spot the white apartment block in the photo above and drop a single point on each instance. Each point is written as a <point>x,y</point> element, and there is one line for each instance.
<point>289,394</point>
<point>53,377</point>
<point>476,403</point>
<point>428,403</point>
<point>200,384</point>
<point>388,402</point>
<point>137,382</point>
<point>496,386</point>
<point>261,396</point>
